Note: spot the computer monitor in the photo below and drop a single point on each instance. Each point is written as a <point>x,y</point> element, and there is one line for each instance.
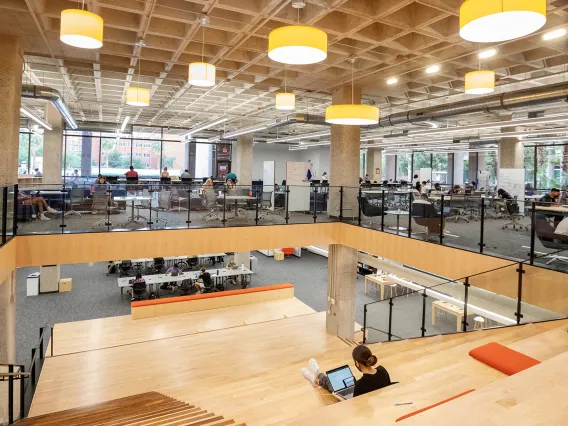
<point>131,179</point>
<point>165,180</point>
<point>113,180</point>
<point>315,181</point>
<point>187,180</point>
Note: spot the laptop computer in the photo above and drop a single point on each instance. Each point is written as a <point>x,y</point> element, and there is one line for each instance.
<point>342,382</point>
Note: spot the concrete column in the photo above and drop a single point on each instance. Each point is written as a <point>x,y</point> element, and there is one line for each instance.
<point>243,159</point>
<point>344,156</point>
<point>52,146</point>
<point>473,167</point>
<point>391,167</point>
<point>341,291</point>
<point>481,161</point>
<point>374,162</point>
<point>511,152</point>
<point>86,153</point>
<point>458,168</point>
<point>11,63</point>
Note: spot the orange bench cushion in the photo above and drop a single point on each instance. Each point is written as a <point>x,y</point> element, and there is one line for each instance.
<point>502,358</point>
<point>209,295</point>
<point>288,251</point>
<point>433,406</point>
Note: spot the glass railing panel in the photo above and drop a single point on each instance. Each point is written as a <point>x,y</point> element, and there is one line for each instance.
<point>300,204</point>
<point>462,223</point>
<point>324,201</point>
<point>3,192</point>
<point>550,236</point>
<point>40,210</point>
<point>397,211</point>
<point>377,323</point>
<point>371,209</point>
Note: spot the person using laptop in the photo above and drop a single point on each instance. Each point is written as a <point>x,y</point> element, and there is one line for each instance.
<point>173,271</point>
<point>341,381</point>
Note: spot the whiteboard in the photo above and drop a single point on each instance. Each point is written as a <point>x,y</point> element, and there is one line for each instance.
<point>425,175</point>
<point>513,181</point>
<point>268,180</point>
<point>297,181</point>
<point>483,180</point>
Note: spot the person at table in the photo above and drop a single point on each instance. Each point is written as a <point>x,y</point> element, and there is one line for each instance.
<point>208,184</point>
<point>38,203</point>
<point>552,199</point>
<point>502,197</point>
<point>37,173</point>
<point>416,181</point>
<point>324,177</point>
<point>131,173</point>
<point>231,176</point>
<point>165,173</point>
<point>372,379</point>
<point>205,278</point>
<point>231,184</point>
<point>437,189</point>
<point>424,187</point>
<point>455,190</point>
<point>361,181</point>
<point>367,179</point>
<point>174,271</point>
<point>185,174</point>
<point>138,287</point>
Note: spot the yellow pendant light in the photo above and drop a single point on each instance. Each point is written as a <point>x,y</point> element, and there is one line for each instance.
<point>285,101</point>
<point>352,114</point>
<point>486,21</point>
<point>479,82</point>
<point>202,74</point>
<point>80,28</point>
<point>136,95</point>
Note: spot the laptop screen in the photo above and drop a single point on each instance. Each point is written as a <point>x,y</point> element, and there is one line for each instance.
<point>341,378</point>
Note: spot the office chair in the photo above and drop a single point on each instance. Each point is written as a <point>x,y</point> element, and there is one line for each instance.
<point>265,204</point>
<point>125,267</point>
<point>179,196</point>
<point>210,203</point>
<point>76,198</point>
<point>513,213</point>
<point>458,208</point>
<point>158,265</point>
<point>186,287</point>
<point>426,215</point>
<point>369,210</point>
<point>139,290</point>
<point>102,205</point>
<point>545,234</point>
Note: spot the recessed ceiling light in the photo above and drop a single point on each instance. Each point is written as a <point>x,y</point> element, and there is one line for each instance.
<point>551,35</point>
<point>487,53</point>
<point>433,69</point>
<point>392,80</point>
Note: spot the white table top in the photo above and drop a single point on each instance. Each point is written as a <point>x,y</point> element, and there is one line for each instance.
<point>190,275</point>
<point>53,192</point>
<point>381,280</point>
<point>560,209</point>
<point>238,197</point>
<point>397,212</point>
<point>372,191</point>
<point>133,198</point>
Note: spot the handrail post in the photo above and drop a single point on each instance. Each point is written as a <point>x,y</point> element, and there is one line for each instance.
<point>315,203</point>
<point>10,393</point>
<point>41,343</point>
<point>33,367</point>
<point>442,220</point>
<point>341,205</point>
<point>390,319</point>
<point>466,296</point>
<point>188,221</point>
<point>225,204</point>
<point>256,217</point>
<point>359,204</point>
<point>15,221</point>
<point>63,205</point>
<point>533,232</point>
<point>482,228</point>
<point>383,210</point>
<point>22,395</point>
<point>409,215</point>
<point>364,323</point>
<point>518,314</point>
<point>424,296</point>
<point>5,213</point>
<point>52,340</point>
<point>287,202</point>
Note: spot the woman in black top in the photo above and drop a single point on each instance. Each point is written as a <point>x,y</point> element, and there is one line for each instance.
<point>373,378</point>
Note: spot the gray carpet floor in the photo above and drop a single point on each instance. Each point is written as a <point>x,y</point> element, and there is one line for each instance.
<point>96,295</point>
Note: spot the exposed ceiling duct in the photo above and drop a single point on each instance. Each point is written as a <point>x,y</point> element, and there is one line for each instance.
<point>53,96</point>
<point>501,102</point>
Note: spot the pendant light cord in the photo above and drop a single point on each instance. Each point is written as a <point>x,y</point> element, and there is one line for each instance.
<point>352,82</point>
<point>285,75</point>
<point>203,44</point>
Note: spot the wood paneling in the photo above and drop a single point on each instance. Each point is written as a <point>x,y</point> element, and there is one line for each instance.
<point>7,259</point>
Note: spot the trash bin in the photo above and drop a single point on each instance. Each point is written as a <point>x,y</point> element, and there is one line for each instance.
<point>33,284</point>
<point>253,264</point>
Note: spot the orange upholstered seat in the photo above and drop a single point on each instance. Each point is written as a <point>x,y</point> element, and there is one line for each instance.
<point>502,358</point>
<point>433,405</point>
<point>288,251</point>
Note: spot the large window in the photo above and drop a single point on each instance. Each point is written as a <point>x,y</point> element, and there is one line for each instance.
<point>115,156</point>
<point>30,152</point>
<point>81,154</point>
<point>174,157</point>
<point>491,162</point>
<point>552,166</point>
<point>440,169</point>
<point>529,166</point>
<point>403,171</point>
<point>146,154</point>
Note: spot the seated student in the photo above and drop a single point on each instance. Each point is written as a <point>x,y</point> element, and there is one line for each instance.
<point>455,190</point>
<point>552,199</point>
<point>205,278</point>
<point>131,173</point>
<point>437,189</point>
<point>36,202</point>
<point>503,197</point>
<point>138,288</point>
<point>372,379</point>
<point>208,184</point>
<point>174,271</point>
<point>185,174</point>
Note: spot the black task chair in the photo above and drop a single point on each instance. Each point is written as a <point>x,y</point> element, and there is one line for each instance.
<point>512,209</point>
<point>158,265</point>
<point>139,289</point>
<point>125,268</point>
<point>369,210</point>
<point>425,214</point>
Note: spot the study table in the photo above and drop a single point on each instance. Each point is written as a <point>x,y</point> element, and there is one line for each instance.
<point>381,281</point>
<point>156,279</point>
<point>236,198</point>
<point>398,213</point>
<point>440,305</point>
<point>133,218</point>
<point>172,259</point>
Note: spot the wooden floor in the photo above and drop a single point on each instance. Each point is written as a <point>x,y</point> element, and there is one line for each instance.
<point>251,373</point>
<point>123,330</point>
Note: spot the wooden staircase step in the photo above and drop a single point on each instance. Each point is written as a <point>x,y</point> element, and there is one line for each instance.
<point>126,421</point>
<point>168,419</point>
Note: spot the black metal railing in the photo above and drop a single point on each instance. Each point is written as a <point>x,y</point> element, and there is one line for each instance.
<point>404,315</point>
<point>515,230</point>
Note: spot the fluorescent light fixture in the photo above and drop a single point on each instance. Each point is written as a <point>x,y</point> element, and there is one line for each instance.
<point>300,137</point>
<point>392,80</point>
<point>297,148</point>
<point>551,35</point>
<point>124,123</point>
<point>201,140</point>
<point>524,134</point>
<point>432,69</point>
<point>204,126</point>
<point>214,139</point>
<point>244,131</point>
<point>484,54</point>
<point>36,118</point>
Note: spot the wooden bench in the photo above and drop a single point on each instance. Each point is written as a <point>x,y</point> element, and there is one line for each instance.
<point>202,302</point>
